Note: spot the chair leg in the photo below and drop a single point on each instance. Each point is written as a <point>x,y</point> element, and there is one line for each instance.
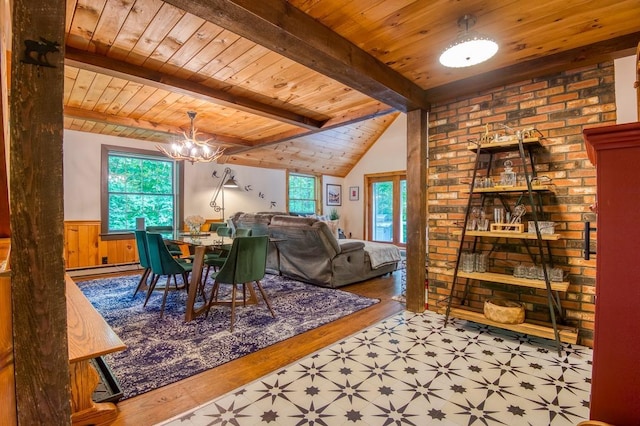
<point>143,281</point>
<point>152,286</point>
<point>233,304</point>
<point>164,296</point>
<point>266,299</point>
<point>214,296</point>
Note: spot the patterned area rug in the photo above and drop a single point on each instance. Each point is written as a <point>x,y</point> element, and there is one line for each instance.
<point>412,370</point>
<point>162,351</point>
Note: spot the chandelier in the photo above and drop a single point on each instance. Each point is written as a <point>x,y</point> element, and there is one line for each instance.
<point>190,149</point>
<point>469,48</point>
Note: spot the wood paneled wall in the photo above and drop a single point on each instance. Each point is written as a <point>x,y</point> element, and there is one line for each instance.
<point>84,247</point>
<point>7,381</point>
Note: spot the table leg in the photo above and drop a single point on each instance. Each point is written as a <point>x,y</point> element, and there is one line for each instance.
<point>191,311</point>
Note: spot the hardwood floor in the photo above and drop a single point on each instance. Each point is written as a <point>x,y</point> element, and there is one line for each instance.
<point>168,401</point>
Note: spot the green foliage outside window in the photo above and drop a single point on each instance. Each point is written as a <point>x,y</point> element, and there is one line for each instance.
<point>302,194</point>
<point>139,187</point>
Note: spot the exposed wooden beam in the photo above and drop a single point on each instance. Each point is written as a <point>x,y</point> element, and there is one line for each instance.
<point>170,131</point>
<point>119,69</point>
<point>343,120</point>
<point>278,26</point>
<point>417,165</point>
<point>587,55</point>
<point>39,303</point>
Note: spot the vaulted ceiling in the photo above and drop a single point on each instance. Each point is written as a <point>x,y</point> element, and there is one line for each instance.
<point>308,85</point>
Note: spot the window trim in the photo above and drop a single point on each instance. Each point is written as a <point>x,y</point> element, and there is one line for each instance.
<point>104,188</point>
<point>395,178</point>
<point>317,187</point>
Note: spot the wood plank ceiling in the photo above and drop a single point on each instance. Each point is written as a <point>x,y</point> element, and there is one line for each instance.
<point>307,85</point>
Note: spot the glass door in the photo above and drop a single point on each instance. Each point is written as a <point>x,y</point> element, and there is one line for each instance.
<point>387,208</point>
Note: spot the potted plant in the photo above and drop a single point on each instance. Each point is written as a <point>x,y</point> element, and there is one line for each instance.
<point>333,214</point>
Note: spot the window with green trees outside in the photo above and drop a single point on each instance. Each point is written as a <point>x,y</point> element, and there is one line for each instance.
<point>139,186</point>
<point>303,194</point>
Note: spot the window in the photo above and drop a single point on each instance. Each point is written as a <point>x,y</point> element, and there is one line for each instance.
<point>303,194</point>
<point>138,184</point>
<point>387,208</point>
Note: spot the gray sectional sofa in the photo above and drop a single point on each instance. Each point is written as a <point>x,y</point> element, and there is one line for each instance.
<point>305,249</point>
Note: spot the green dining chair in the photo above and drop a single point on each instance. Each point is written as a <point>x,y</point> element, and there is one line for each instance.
<point>174,249</point>
<point>164,264</point>
<point>246,264</point>
<point>143,255</point>
<point>243,232</point>
<point>216,259</point>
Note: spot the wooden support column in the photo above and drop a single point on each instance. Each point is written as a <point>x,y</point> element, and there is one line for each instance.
<point>36,201</point>
<point>417,127</point>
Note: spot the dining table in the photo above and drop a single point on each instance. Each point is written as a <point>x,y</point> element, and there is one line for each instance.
<point>199,243</point>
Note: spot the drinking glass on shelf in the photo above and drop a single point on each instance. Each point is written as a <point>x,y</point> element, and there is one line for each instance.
<point>520,271</point>
<point>468,262</point>
<point>557,274</point>
<point>481,262</point>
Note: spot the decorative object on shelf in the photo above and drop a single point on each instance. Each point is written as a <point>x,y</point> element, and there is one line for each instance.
<point>469,48</point>
<point>504,311</point>
<point>227,181</point>
<point>546,228</point>
<point>194,223</point>
<point>191,149</point>
<point>354,193</point>
<point>334,195</point>
<point>508,177</point>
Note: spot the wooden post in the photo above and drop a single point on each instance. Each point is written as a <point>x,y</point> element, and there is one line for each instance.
<point>36,201</point>
<point>417,124</point>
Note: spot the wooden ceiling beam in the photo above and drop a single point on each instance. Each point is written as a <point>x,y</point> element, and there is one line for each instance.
<point>119,69</point>
<point>282,28</point>
<point>587,55</point>
<point>170,131</point>
<point>344,120</point>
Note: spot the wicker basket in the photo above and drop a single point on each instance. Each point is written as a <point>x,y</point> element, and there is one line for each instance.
<point>504,311</point>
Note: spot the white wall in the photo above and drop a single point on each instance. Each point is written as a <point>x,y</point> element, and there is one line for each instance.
<point>388,154</point>
<point>82,181</point>
<point>626,101</point>
<point>258,189</point>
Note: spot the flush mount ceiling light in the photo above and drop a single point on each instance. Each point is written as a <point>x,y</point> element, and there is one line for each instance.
<point>190,149</point>
<point>469,48</point>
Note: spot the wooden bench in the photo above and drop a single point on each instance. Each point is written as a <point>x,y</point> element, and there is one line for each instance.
<point>89,336</point>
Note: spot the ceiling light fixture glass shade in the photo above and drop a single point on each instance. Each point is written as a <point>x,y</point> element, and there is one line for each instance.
<point>190,149</point>
<point>469,48</point>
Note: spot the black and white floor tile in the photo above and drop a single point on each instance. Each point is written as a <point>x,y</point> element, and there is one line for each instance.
<point>411,370</point>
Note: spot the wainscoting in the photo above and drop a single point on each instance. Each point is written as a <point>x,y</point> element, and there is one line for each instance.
<point>83,246</point>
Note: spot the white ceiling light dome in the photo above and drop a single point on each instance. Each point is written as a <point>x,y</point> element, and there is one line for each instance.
<point>469,48</point>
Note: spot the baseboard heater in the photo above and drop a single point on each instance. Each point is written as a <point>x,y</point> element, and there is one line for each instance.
<point>108,389</point>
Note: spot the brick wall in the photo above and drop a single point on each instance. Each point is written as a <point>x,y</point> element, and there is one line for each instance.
<point>560,106</point>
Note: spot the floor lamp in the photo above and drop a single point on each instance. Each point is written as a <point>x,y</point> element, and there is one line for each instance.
<point>227,181</point>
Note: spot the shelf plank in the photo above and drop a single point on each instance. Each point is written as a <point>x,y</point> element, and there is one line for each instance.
<point>517,188</point>
<point>510,279</point>
<point>509,145</point>
<point>567,334</point>
<point>509,234</point>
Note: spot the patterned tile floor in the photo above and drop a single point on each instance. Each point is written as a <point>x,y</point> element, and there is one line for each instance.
<point>410,370</point>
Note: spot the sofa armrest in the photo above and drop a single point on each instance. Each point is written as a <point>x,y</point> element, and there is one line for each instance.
<point>351,246</point>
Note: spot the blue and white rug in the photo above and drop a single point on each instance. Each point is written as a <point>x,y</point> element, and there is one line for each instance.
<point>162,351</point>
